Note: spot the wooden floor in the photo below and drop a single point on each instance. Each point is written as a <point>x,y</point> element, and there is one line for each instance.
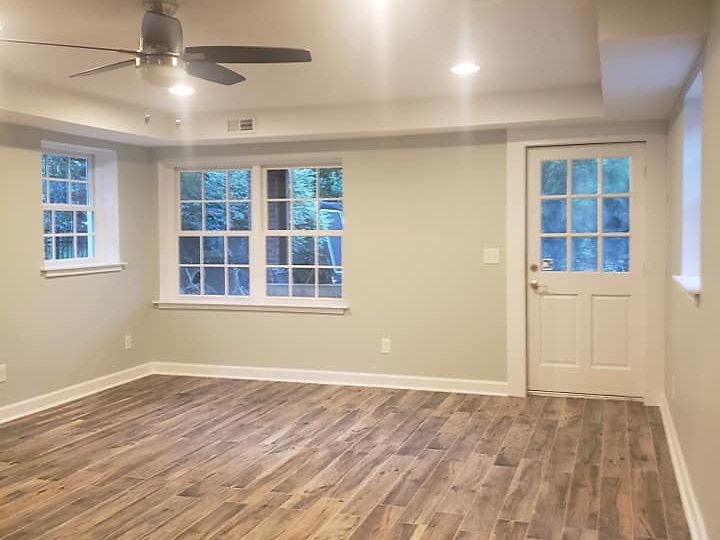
<point>181,457</point>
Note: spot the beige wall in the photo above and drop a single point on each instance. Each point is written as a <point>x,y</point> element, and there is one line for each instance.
<point>418,213</point>
<point>693,345</point>
<point>59,332</point>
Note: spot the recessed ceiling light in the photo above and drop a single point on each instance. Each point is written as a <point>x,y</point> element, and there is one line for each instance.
<point>465,68</point>
<point>181,90</point>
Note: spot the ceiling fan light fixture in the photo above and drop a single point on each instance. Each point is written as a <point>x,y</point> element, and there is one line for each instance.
<point>181,89</point>
<point>465,68</point>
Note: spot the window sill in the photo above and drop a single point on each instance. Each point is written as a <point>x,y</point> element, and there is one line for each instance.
<point>691,285</point>
<point>329,309</point>
<point>82,269</point>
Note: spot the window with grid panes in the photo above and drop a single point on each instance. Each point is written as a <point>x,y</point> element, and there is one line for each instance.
<point>68,207</point>
<point>247,238</point>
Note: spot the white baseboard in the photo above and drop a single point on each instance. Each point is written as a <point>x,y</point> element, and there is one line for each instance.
<point>694,516</point>
<point>406,382</point>
<point>71,393</point>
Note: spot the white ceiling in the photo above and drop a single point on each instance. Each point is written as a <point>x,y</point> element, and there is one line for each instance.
<point>363,50</point>
<point>379,66</point>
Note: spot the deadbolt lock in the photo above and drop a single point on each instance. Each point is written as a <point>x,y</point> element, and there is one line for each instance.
<point>534,267</point>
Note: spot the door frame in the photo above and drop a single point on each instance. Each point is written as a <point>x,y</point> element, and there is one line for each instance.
<point>520,140</point>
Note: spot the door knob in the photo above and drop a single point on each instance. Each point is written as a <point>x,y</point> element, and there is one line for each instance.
<point>534,285</point>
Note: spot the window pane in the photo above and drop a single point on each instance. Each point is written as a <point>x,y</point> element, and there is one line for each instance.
<point>304,183</point>
<point>584,254</point>
<point>191,216</point>
<point>214,250</point>
<point>57,166</point>
<point>331,183</point>
<point>239,216</point>
<point>585,176</point>
<point>616,175</point>
<point>584,215</point>
<point>238,250</point>
<point>278,184</point>
<point>64,247</point>
<point>189,250</point>
<point>215,186</point>
<point>44,191</point>
<point>330,282</point>
<point>239,281</point>
<point>43,164</point>
<point>276,250</point>
<point>78,168</point>
<point>190,280</point>
<point>303,282</point>
<point>331,215</point>
<point>616,214</point>
<point>330,251</point>
<point>239,184</point>
<point>277,282</point>
<point>214,281</point>
<point>84,222</point>
<point>305,215</point>
<point>64,222</point>
<point>58,192</point>
<point>303,250</point>
<point>47,221</point>
<point>278,216</point>
<point>48,248</point>
<point>554,177</point>
<point>215,217</point>
<point>616,254</point>
<point>554,254</point>
<point>83,249</point>
<point>78,193</point>
<point>190,186</point>
<point>554,216</point>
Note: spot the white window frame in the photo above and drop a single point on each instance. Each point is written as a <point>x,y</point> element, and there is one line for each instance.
<point>103,178</point>
<point>169,232</point>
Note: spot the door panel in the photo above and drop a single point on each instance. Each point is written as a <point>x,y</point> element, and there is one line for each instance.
<point>585,264</point>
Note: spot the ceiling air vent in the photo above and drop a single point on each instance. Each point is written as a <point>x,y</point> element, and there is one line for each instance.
<point>241,125</point>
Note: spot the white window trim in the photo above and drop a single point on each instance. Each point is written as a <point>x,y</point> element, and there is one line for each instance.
<point>104,188</point>
<point>168,249</point>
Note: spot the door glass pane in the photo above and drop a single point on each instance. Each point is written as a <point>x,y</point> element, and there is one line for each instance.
<point>616,214</point>
<point>331,215</point>
<point>554,177</point>
<point>215,217</point>
<point>214,250</point>
<point>554,254</point>
<point>189,250</point>
<point>239,281</point>
<point>584,176</point>
<point>277,184</point>
<point>190,186</point>
<point>276,248</point>
<point>304,183</point>
<point>239,184</point>
<point>330,251</point>
<point>303,282</point>
<point>278,216</point>
<point>214,281</point>
<point>303,250</point>
<point>616,254</point>
<point>277,282</point>
<point>554,216</point>
<point>191,216</point>
<point>331,183</point>
<point>616,175</point>
<point>190,280</point>
<point>584,215</point>
<point>330,283</point>
<point>584,254</point>
<point>239,216</point>
<point>215,186</point>
<point>305,215</point>
<point>238,250</point>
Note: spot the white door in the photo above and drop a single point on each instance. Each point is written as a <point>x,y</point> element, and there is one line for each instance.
<point>585,269</point>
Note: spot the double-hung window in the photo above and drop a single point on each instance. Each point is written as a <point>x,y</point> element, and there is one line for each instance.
<point>68,207</point>
<point>255,235</point>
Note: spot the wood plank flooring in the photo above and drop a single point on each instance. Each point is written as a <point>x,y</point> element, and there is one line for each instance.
<point>181,457</point>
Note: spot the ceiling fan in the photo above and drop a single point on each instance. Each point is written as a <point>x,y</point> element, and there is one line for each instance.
<point>162,60</point>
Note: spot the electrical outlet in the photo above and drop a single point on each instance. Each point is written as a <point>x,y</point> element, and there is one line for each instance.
<point>673,385</point>
<point>3,372</point>
<point>385,346</point>
<point>128,342</point>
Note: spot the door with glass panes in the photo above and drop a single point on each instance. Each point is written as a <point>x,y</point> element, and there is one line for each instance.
<point>585,269</point>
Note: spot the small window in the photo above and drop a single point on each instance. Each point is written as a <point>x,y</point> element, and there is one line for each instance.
<point>80,210</point>
<point>691,179</point>
<point>68,207</point>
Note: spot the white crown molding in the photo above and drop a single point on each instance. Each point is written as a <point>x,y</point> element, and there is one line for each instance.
<point>71,393</point>
<point>693,514</point>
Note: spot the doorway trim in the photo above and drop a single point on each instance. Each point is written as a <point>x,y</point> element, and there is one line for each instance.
<point>520,140</point>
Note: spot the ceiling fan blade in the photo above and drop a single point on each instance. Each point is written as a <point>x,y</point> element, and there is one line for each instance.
<point>247,55</point>
<point>213,73</point>
<point>103,69</point>
<point>125,51</point>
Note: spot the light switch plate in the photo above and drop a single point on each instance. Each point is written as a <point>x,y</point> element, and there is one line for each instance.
<point>491,255</point>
